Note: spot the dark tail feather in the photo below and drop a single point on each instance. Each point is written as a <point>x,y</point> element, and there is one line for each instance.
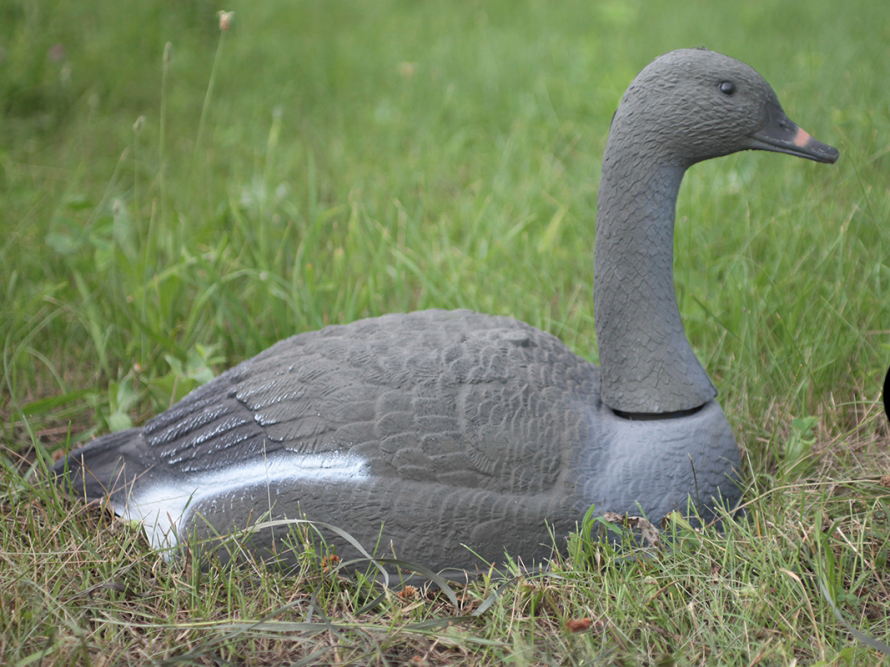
<point>105,467</point>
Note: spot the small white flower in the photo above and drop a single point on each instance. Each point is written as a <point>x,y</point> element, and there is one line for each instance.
<point>225,19</point>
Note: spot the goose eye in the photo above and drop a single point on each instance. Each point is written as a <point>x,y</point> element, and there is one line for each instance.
<point>726,87</point>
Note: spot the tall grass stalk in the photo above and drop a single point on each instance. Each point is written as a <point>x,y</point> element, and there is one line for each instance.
<point>209,94</point>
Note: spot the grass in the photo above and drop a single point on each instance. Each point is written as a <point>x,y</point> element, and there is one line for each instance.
<point>353,159</point>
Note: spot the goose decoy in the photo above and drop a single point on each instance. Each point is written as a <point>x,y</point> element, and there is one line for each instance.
<point>454,438</point>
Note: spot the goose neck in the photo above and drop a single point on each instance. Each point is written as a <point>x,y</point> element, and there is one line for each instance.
<point>647,364</point>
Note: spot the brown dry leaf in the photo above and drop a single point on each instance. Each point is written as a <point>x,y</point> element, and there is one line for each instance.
<point>578,625</point>
<point>407,592</point>
<point>650,533</point>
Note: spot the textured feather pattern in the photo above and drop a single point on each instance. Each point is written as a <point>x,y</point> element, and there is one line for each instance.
<point>449,397</point>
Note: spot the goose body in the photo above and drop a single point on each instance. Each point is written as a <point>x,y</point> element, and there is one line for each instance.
<point>448,437</point>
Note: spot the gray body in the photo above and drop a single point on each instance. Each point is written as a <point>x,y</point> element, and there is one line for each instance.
<point>457,431</point>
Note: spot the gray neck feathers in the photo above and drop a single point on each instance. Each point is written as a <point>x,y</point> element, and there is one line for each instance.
<point>646,362</point>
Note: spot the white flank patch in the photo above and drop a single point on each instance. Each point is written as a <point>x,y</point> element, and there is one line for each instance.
<point>163,507</point>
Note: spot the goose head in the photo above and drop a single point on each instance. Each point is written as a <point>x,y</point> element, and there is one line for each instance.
<point>699,104</point>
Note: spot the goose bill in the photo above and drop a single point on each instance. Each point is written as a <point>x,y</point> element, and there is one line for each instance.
<point>782,135</point>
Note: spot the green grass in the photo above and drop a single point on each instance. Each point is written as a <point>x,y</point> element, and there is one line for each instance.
<point>354,159</point>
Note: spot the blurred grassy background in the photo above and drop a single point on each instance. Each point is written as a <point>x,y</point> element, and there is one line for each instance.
<point>353,159</point>
<point>364,158</point>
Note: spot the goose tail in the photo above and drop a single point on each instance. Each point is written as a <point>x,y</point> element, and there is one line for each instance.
<point>107,467</point>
